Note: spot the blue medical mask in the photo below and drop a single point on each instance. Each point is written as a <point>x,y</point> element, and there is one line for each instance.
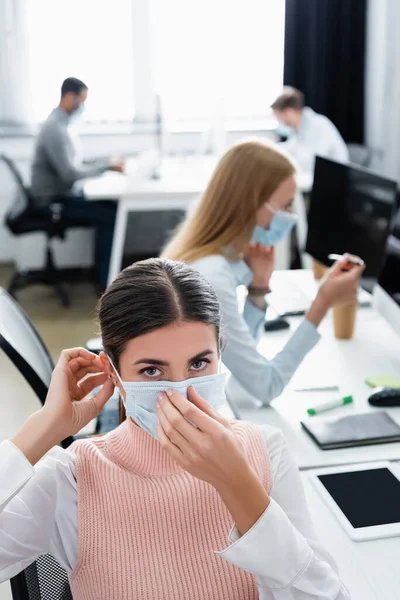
<point>285,130</point>
<point>280,226</point>
<point>141,396</point>
<point>78,112</point>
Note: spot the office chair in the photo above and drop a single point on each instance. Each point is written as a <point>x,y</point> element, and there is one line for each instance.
<point>360,155</point>
<point>44,579</point>
<point>21,342</point>
<point>25,217</point>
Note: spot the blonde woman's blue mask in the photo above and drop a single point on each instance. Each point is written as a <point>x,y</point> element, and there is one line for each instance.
<point>280,227</point>
<point>141,396</point>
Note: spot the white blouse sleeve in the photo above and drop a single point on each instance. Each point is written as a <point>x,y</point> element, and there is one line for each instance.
<point>281,549</point>
<point>30,509</point>
<point>262,378</point>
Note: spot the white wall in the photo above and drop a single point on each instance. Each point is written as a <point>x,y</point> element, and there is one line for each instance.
<point>382,115</point>
<point>14,67</point>
<point>375,72</point>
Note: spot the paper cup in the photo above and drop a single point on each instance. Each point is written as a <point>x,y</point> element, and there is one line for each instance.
<point>344,320</point>
<point>319,269</point>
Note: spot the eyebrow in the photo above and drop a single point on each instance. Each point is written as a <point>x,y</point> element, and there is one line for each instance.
<point>201,355</point>
<point>162,363</point>
<point>151,361</point>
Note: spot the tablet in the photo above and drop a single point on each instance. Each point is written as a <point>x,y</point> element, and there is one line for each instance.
<point>364,498</point>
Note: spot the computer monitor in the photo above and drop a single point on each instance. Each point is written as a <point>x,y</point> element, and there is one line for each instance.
<point>350,211</point>
<point>387,291</point>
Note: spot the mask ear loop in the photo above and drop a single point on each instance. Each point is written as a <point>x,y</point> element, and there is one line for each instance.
<point>293,215</point>
<point>115,368</point>
<point>118,377</point>
<point>267,204</point>
<point>121,401</point>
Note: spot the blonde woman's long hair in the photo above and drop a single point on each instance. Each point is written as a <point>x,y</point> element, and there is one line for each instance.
<point>224,219</point>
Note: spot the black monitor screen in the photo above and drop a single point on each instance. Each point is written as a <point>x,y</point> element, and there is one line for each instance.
<point>350,211</point>
<point>389,278</point>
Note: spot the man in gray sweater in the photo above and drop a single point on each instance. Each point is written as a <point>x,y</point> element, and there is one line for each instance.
<point>58,169</point>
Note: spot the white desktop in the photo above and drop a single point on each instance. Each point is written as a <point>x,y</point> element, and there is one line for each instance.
<point>374,351</point>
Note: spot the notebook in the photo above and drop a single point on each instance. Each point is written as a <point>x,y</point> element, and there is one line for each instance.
<point>353,430</point>
<point>384,381</point>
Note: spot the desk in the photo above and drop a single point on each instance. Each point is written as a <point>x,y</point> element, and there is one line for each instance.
<point>182,180</point>
<point>374,350</point>
<point>370,570</point>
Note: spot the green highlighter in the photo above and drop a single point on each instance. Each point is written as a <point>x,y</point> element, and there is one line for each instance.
<point>390,381</point>
<point>319,408</point>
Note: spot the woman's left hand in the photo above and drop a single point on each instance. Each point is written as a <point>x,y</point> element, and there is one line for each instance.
<point>208,449</point>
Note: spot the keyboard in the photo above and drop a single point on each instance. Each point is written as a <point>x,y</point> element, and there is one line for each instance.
<point>289,300</point>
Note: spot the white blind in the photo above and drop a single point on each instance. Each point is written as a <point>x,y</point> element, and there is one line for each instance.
<point>222,56</point>
<point>88,39</point>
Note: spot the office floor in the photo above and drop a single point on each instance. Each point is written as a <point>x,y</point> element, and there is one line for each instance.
<point>60,328</point>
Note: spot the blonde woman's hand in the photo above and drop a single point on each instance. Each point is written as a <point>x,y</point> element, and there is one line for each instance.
<point>340,285</point>
<point>207,448</point>
<point>261,260</point>
<point>338,288</point>
<point>67,408</point>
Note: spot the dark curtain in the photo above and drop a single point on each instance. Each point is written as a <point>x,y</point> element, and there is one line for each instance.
<point>325,58</point>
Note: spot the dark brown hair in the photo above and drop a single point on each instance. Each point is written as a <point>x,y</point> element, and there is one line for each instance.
<point>289,98</point>
<point>149,295</point>
<point>152,294</point>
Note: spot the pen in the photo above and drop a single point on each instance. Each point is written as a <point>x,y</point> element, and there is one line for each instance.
<point>323,388</point>
<point>329,405</point>
<point>352,259</point>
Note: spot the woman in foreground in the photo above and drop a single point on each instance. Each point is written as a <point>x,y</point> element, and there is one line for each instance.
<point>176,503</point>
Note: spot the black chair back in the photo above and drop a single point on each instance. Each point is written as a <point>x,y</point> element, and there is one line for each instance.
<point>44,579</point>
<point>22,202</point>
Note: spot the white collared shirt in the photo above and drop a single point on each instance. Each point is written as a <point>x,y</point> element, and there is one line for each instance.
<point>316,136</point>
<point>39,515</point>
<point>264,379</point>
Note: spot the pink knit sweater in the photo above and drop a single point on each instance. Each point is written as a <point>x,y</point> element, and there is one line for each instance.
<point>147,529</point>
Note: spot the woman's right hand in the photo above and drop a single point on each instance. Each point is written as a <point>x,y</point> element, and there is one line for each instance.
<point>338,288</point>
<point>68,408</point>
<point>68,404</point>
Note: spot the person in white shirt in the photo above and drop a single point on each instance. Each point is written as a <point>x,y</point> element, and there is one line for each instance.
<point>308,133</point>
<point>245,210</point>
<point>185,473</point>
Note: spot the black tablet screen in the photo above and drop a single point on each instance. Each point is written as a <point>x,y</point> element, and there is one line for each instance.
<point>367,498</point>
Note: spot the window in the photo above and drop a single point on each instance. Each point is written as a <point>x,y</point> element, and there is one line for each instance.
<point>206,59</point>
<point>88,39</point>
<point>217,57</point>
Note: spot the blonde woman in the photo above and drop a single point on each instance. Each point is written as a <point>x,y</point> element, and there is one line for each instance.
<point>230,237</point>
